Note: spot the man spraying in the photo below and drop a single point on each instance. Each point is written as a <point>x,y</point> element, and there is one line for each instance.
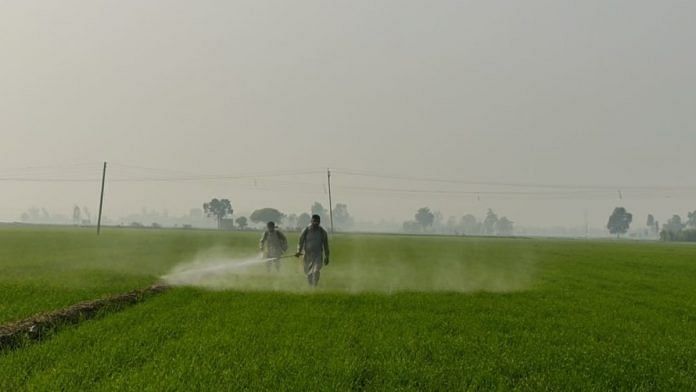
<point>273,244</point>
<point>314,242</point>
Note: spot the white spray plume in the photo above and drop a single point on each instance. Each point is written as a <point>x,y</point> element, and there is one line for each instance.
<point>213,270</point>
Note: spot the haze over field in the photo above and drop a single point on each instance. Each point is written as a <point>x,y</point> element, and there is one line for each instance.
<point>534,93</point>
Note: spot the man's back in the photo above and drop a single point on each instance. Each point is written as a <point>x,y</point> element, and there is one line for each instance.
<point>275,242</point>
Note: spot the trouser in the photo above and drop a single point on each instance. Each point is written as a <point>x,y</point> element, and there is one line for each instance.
<point>313,279</point>
<point>312,268</point>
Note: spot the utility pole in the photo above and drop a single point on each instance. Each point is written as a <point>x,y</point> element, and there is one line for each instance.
<point>328,176</point>
<point>101,200</point>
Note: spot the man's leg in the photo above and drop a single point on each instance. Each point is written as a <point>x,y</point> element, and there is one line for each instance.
<point>318,263</point>
<point>277,264</point>
<point>313,279</point>
<point>312,267</point>
<point>307,269</point>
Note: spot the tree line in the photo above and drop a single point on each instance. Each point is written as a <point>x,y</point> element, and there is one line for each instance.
<point>675,229</point>
<point>222,211</point>
<point>427,221</point>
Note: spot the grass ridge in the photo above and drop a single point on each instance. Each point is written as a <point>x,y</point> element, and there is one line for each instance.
<point>16,334</point>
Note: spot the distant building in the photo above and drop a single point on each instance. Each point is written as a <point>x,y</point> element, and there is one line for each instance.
<point>196,213</point>
<point>227,224</point>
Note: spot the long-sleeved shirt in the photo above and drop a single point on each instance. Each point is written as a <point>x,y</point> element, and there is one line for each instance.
<point>275,243</point>
<point>314,242</point>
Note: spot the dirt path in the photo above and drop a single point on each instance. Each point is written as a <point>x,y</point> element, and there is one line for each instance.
<point>40,326</point>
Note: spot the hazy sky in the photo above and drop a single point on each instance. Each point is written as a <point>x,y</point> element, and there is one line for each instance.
<point>599,93</point>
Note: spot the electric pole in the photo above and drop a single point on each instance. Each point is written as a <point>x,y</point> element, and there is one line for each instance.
<point>101,200</point>
<point>328,176</point>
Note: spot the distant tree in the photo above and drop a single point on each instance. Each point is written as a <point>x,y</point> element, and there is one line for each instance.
<point>303,220</point>
<point>437,220</point>
<point>29,215</point>
<point>504,226</point>
<point>619,221</point>
<point>412,227</point>
<point>452,225</point>
<point>342,218</point>
<point>241,222</point>
<point>424,217</point>
<point>490,222</point>
<point>652,224</point>
<point>156,225</point>
<point>673,230</point>
<point>88,216</point>
<point>218,209</point>
<point>76,216</point>
<point>469,224</point>
<point>266,215</point>
<point>689,235</point>
<point>674,225</point>
<point>318,209</point>
<point>291,221</point>
<point>691,221</point>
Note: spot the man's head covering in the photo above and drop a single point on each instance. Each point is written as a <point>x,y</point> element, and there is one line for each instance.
<point>316,217</point>
<point>270,224</point>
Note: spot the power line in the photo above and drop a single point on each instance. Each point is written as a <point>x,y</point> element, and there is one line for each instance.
<point>510,195</point>
<point>46,167</point>
<point>190,176</point>
<point>29,179</point>
<point>531,190</point>
<point>251,174</point>
<point>163,179</point>
<point>505,184</point>
<point>453,192</point>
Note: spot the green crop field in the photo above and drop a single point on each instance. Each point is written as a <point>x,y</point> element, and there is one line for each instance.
<point>392,312</point>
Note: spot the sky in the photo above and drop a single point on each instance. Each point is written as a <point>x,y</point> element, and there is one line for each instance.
<point>577,107</point>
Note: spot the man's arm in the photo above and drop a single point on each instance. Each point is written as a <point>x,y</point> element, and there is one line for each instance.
<point>301,244</point>
<point>325,243</point>
<point>283,241</point>
<point>263,240</point>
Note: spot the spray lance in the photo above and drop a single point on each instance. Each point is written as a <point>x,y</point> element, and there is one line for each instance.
<point>279,258</point>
